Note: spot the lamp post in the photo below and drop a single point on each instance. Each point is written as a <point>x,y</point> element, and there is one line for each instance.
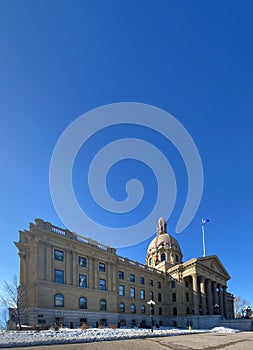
<point>151,303</point>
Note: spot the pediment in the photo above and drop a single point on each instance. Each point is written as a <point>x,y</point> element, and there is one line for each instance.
<point>213,263</point>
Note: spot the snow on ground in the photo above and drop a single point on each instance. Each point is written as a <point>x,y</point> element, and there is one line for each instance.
<point>223,330</point>
<point>65,335</point>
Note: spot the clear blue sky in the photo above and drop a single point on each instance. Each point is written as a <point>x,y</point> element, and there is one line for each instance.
<point>194,59</point>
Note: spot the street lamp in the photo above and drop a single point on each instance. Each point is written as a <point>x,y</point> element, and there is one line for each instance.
<point>151,303</point>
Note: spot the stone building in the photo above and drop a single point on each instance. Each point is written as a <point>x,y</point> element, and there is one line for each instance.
<point>72,279</point>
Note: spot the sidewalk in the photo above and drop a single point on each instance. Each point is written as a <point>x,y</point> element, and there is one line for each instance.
<point>206,341</point>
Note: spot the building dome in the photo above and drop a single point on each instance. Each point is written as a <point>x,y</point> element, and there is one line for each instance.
<point>163,247</point>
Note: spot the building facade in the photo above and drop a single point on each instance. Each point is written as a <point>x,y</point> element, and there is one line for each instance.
<point>71,279</point>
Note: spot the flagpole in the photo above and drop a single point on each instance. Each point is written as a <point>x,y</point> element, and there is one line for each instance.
<point>203,237</point>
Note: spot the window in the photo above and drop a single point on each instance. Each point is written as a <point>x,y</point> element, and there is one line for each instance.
<point>82,303</point>
<point>150,282</point>
<point>150,261</point>
<point>133,309</point>
<point>186,284</point>
<point>121,290</point>
<point>82,261</point>
<point>173,284</point>
<point>83,281</point>
<point>174,311</point>
<point>121,307</point>
<point>58,255</point>
<point>121,275</point>
<point>187,297</point>
<point>132,292</point>
<point>176,257</point>
<point>59,300</point>
<point>142,280</point>
<point>142,294</point>
<point>58,276</point>
<point>101,267</point>
<point>188,310</point>
<point>143,309</point>
<point>102,284</point>
<point>151,295</point>
<point>174,297</point>
<point>159,285</point>
<point>132,278</point>
<point>160,311</point>
<point>163,257</point>
<point>159,297</point>
<point>102,304</point>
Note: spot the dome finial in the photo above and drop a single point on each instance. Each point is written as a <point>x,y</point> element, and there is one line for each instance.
<point>161,226</point>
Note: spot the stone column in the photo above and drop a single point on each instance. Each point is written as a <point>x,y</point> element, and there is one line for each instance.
<point>195,294</point>
<point>215,294</point>
<point>209,298</point>
<point>221,300</point>
<point>203,295</point>
<point>225,304</point>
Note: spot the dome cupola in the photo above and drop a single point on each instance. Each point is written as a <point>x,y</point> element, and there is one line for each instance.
<point>163,248</point>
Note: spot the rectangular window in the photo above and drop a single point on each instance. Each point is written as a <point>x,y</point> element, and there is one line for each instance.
<point>151,295</point>
<point>159,297</point>
<point>82,261</point>
<point>132,292</point>
<point>102,284</point>
<point>132,278</point>
<point>186,284</point>
<point>150,282</point>
<point>121,290</point>
<point>142,294</point>
<point>174,297</point>
<point>58,276</point>
<point>101,267</point>
<point>142,280</point>
<point>187,297</point>
<point>58,255</point>
<point>83,281</point>
<point>173,284</point>
<point>121,275</point>
<point>159,285</point>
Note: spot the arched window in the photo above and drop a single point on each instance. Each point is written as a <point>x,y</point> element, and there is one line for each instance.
<point>143,309</point>
<point>83,303</point>
<point>150,261</point>
<point>174,311</point>
<point>59,300</point>
<point>121,307</point>
<point>163,257</point>
<point>177,259</point>
<point>160,311</point>
<point>133,309</point>
<point>102,304</point>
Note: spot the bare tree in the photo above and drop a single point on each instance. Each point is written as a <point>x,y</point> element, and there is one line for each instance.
<point>13,298</point>
<point>239,304</point>
<point>4,319</point>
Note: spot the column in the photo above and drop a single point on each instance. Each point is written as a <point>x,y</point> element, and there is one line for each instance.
<point>195,294</point>
<point>221,300</point>
<point>225,304</point>
<point>215,294</point>
<point>203,295</point>
<point>209,297</point>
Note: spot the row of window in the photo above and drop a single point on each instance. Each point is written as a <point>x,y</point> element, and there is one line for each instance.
<point>59,302</point>
<point>142,293</point>
<point>162,258</point>
<point>121,276</point>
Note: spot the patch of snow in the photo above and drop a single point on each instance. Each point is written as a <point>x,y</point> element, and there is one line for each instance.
<point>223,330</point>
<point>66,335</point>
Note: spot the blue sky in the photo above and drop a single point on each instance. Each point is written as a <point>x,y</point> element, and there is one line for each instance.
<point>193,59</point>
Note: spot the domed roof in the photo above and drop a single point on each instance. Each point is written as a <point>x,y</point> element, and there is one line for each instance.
<point>163,239</point>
